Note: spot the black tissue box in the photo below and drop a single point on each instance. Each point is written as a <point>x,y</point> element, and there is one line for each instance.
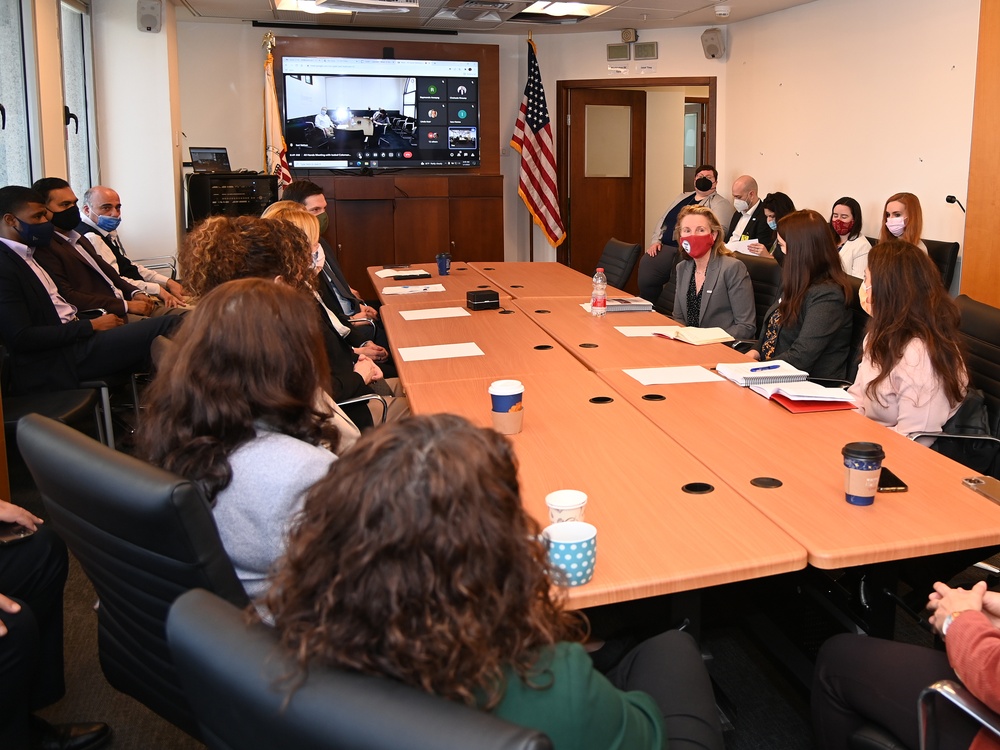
<point>482,299</point>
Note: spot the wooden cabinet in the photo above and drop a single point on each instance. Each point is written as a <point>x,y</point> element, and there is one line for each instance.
<point>410,219</point>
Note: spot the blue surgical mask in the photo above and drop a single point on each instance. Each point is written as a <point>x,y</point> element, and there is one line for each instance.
<point>108,223</point>
<point>773,224</point>
<point>35,235</point>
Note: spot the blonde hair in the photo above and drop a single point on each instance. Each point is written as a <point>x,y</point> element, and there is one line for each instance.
<point>719,247</point>
<point>295,213</point>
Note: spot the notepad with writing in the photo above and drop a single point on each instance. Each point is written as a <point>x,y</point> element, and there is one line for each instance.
<point>760,373</point>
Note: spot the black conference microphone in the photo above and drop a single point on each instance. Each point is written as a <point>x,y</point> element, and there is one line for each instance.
<point>953,199</point>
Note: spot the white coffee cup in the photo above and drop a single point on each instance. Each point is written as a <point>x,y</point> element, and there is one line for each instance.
<point>566,505</point>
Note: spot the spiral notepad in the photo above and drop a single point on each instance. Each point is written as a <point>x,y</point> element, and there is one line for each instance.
<point>776,371</point>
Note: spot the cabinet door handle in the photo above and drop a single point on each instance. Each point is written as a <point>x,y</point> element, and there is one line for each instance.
<point>338,251</point>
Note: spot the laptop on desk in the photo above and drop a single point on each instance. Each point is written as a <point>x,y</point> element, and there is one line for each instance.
<point>204,160</point>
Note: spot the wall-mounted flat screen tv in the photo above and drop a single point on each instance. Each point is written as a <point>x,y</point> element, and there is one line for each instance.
<point>354,113</point>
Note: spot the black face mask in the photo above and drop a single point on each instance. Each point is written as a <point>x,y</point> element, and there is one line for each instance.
<point>703,184</point>
<point>67,220</point>
<point>35,235</point>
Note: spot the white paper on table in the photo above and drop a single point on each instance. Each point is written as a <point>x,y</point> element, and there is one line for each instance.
<point>434,312</point>
<point>415,289</point>
<point>673,375</point>
<point>388,273</point>
<point>440,351</point>
<point>741,246</point>
<point>637,331</point>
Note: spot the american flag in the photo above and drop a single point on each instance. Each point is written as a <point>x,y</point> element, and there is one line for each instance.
<point>533,140</point>
<point>274,141</point>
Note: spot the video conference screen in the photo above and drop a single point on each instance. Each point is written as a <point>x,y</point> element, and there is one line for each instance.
<point>355,113</point>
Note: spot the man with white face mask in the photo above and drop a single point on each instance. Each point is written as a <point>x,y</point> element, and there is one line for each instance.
<point>749,222</point>
<point>99,220</point>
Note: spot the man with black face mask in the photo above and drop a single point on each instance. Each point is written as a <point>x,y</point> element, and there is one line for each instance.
<point>84,279</point>
<point>655,266</point>
<point>50,346</point>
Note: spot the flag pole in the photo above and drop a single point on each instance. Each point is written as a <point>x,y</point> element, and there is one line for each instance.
<point>531,219</point>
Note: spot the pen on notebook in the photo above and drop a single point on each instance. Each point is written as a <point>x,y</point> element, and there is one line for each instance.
<point>764,367</point>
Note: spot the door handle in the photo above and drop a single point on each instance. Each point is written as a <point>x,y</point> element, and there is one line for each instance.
<point>3,118</point>
<point>74,118</point>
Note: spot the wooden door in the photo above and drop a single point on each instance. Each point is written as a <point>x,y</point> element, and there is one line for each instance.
<point>607,173</point>
<point>365,237</point>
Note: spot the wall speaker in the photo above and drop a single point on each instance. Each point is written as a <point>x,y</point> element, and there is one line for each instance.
<point>714,44</point>
<point>149,15</point>
<point>629,35</point>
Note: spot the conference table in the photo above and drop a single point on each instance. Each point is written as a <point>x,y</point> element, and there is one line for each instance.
<point>461,280</point>
<point>541,280</point>
<point>653,537</point>
<point>735,435</point>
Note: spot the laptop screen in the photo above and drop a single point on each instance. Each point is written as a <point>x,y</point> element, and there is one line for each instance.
<point>210,160</point>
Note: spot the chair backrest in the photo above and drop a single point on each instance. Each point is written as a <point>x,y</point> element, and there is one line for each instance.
<point>143,536</point>
<point>859,325</point>
<point>232,674</point>
<point>665,302</point>
<point>945,257</point>
<point>618,260</point>
<point>980,330</point>
<point>765,275</point>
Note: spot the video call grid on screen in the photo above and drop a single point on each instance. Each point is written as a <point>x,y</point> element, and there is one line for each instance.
<point>432,106</point>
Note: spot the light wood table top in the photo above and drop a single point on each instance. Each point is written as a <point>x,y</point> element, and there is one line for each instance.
<point>742,436</point>
<point>509,340</point>
<point>541,280</point>
<point>457,283</point>
<point>653,538</point>
<point>597,343</point>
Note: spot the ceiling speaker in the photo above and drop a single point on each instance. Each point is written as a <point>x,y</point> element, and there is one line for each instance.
<point>629,35</point>
<point>714,44</point>
<point>149,15</point>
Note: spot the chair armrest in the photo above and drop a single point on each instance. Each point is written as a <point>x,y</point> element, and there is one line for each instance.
<point>948,435</point>
<point>365,322</point>
<point>960,697</point>
<point>368,397</point>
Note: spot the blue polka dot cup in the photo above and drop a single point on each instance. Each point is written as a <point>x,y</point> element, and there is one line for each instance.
<point>862,468</point>
<point>572,552</point>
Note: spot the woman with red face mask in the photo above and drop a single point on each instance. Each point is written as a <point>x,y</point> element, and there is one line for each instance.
<point>852,246</point>
<point>713,288</point>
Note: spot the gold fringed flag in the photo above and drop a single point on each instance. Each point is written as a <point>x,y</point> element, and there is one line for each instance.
<point>275,155</point>
<point>533,140</point>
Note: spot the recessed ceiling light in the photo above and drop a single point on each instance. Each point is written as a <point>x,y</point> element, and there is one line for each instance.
<point>560,9</point>
<point>307,6</point>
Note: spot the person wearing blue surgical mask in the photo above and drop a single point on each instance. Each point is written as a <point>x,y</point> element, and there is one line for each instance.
<point>776,207</point>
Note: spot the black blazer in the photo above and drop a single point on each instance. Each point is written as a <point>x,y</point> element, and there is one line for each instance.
<point>756,228</point>
<point>820,340</point>
<point>41,346</point>
<point>345,382</point>
<point>78,282</point>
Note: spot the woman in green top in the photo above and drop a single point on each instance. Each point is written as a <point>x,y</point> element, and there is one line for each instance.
<point>415,560</point>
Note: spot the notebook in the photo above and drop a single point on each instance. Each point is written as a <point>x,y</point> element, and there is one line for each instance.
<point>696,336</point>
<point>761,373</point>
<point>624,304</point>
<point>803,390</point>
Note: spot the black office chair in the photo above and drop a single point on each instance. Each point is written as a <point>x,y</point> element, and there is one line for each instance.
<point>618,261</point>
<point>945,257</point>
<point>143,536</point>
<point>665,302</point>
<point>873,737</point>
<point>765,275</point>
<point>232,674</point>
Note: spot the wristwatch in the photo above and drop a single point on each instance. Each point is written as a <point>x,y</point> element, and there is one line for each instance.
<point>948,621</point>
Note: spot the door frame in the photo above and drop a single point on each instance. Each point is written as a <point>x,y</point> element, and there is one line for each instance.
<point>563,91</point>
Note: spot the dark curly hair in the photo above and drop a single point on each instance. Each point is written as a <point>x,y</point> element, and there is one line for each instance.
<point>909,301</point>
<point>223,248</point>
<point>414,559</point>
<point>250,352</point>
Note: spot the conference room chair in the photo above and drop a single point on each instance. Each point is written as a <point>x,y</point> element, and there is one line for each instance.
<point>143,537</point>
<point>618,261</point>
<point>75,407</point>
<point>873,737</point>
<point>944,254</point>
<point>765,276</point>
<point>665,302</point>
<point>233,677</point>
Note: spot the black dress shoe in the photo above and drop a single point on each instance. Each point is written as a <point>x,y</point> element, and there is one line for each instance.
<point>45,736</point>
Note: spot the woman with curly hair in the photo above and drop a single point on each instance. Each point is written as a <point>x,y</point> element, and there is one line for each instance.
<point>232,409</point>
<point>224,248</point>
<point>912,376</point>
<point>415,560</point>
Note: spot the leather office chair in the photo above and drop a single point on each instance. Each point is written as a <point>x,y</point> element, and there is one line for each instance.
<point>665,302</point>
<point>143,536</point>
<point>72,407</point>
<point>872,737</point>
<point>618,261</point>
<point>944,255</point>
<point>232,677</point>
<point>765,275</point>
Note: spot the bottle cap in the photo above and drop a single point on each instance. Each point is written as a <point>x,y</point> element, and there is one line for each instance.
<point>600,270</point>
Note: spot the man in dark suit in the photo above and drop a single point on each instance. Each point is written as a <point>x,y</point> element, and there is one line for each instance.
<point>84,279</point>
<point>748,223</point>
<point>50,347</point>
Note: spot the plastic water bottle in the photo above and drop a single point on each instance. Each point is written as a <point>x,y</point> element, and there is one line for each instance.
<point>599,299</point>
